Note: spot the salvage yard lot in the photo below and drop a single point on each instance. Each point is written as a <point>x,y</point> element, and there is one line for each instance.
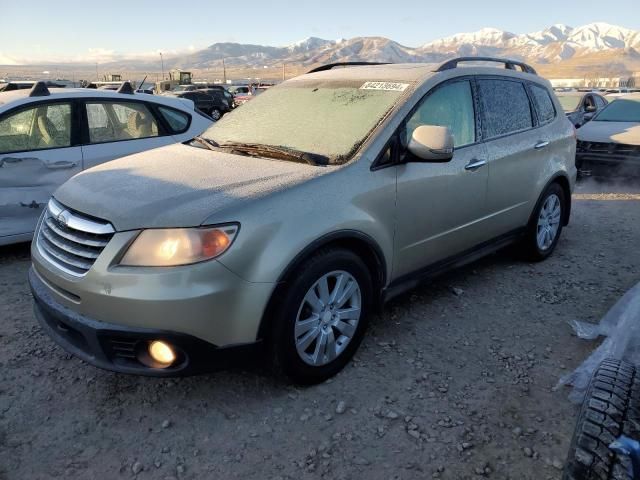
<point>454,380</point>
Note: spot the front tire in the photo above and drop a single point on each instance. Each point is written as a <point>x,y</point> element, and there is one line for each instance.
<point>216,114</point>
<point>545,225</point>
<point>322,317</point>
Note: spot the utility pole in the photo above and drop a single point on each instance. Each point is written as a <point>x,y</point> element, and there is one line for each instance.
<point>224,71</point>
<point>162,64</point>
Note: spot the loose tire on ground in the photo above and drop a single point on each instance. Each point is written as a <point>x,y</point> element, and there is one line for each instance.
<point>611,408</point>
<point>283,342</point>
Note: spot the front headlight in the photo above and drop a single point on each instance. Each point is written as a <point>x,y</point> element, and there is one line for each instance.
<point>179,246</point>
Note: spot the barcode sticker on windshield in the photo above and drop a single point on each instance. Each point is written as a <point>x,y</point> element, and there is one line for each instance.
<point>388,86</point>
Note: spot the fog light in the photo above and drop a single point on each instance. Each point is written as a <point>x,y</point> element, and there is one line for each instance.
<point>162,353</point>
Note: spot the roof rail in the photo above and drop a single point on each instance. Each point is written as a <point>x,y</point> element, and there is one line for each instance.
<point>126,88</point>
<point>39,89</point>
<point>508,63</point>
<point>330,66</point>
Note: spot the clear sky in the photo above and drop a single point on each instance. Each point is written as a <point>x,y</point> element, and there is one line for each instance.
<point>35,30</point>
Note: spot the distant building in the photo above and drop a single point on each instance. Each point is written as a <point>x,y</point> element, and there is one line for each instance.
<point>632,80</point>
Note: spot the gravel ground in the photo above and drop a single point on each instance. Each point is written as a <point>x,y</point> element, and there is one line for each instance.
<point>454,380</point>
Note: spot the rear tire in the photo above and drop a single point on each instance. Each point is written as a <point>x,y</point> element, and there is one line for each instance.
<point>338,324</point>
<point>216,114</point>
<point>545,225</point>
<point>611,408</point>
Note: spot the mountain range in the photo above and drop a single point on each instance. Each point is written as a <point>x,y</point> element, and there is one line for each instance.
<point>559,50</point>
<point>558,43</point>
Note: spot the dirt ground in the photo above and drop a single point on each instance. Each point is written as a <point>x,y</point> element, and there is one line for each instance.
<point>454,380</point>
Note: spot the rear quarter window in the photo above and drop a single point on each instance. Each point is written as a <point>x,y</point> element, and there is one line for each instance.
<point>505,107</point>
<point>543,103</point>
<point>178,121</point>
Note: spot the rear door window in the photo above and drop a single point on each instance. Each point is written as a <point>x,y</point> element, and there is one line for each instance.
<point>114,121</point>
<point>543,103</point>
<point>505,107</point>
<point>37,128</point>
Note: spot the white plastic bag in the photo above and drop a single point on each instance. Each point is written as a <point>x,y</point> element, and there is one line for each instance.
<point>621,326</point>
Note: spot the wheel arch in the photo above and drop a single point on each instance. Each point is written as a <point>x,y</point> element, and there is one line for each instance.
<point>358,242</point>
<point>562,180</point>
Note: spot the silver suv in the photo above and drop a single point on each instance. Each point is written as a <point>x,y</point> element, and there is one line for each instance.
<point>296,215</point>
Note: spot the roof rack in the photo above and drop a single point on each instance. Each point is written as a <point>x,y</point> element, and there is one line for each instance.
<point>330,66</point>
<point>39,89</point>
<point>508,63</point>
<point>126,88</point>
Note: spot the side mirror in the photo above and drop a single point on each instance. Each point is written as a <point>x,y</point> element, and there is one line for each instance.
<point>430,143</point>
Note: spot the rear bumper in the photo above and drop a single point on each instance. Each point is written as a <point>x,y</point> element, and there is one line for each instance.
<point>124,349</point>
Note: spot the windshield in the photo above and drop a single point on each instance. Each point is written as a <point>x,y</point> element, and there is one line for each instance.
<point>181,88</point>
<point>328,118</point>
<point>569,102</point>
<point>621,110</point>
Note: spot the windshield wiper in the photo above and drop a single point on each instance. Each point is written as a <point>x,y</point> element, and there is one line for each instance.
<point>207,143</point>
<point>283,153</point>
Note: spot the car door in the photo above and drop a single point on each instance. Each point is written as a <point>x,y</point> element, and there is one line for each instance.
<point>115,128</point>
<point>515,152</point>
<point>440,206</point>
<point>37,154</point>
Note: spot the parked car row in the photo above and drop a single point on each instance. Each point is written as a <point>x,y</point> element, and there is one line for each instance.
<point>281,237</point>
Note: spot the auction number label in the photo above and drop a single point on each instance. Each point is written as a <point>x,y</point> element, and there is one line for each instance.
<point>388,86</point>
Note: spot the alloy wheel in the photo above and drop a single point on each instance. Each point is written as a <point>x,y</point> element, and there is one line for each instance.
<point>328,318</point>
<point>548,222</point>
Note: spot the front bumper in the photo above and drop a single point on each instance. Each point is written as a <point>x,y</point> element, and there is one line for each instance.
<point>615,162</point>
<point>124,349</point>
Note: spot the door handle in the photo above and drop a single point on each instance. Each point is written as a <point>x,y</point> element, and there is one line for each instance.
<point>52,165</point>
<point>13,160</point>
<point>475,164</point>
<point>60,165</point>
<point>540,145</point>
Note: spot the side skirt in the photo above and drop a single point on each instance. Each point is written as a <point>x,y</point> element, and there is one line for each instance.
<point>412,280</point>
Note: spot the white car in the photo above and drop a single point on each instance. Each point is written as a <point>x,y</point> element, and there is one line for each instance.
<point>48,136</point>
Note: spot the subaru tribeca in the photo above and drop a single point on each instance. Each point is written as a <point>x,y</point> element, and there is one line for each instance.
<point>288,221</point>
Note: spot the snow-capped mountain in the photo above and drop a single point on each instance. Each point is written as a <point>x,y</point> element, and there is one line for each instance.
<point>554,44</point>
<point>592,44</point>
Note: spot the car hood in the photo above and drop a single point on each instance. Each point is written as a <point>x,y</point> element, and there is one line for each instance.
<point>177,186</point>
<point>610,132</point>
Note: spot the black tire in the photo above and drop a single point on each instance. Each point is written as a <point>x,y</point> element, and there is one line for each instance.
<point>611,408</point>
<point>529,245</point>
<point>216,114</point>
<point>285,357</point>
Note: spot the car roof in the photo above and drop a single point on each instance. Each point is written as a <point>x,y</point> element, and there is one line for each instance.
<point>64,93</point>
<point>406,72</point>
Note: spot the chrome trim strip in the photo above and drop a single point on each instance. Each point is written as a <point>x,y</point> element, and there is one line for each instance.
<point>73,238</point>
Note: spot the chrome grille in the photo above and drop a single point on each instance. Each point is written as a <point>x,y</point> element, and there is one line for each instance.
<point>71,241</point>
